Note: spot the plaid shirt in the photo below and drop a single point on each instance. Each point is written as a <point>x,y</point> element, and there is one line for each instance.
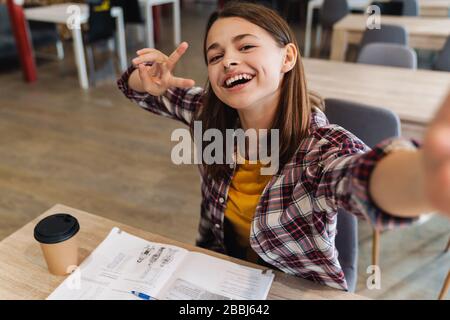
<point>294,226</point>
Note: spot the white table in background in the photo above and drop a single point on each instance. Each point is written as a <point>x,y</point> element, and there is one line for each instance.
<point>58,13</point>
<point>427,8</point>
<point>150,42</point>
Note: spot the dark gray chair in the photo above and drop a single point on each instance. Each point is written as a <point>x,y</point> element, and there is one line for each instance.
<point>100,32</point>
<point>347,246</point>
<point>390,8</point>
<point>331,12</point>
<point>410,7</point>
<point>371,125</point>
<point>387,34</point>
<point>442,62</point>
<point>131,10</point>
<point>388,54</point>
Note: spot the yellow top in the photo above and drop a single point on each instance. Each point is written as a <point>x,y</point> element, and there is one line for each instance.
<point>243,197</point>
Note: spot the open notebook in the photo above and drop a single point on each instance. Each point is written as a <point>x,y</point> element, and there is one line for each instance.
<point>123,263</point>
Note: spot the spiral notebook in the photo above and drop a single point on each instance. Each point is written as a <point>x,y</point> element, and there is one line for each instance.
<point>123,263</point>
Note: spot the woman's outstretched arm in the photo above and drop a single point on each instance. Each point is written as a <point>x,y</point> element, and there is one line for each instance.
<point>409,183</point>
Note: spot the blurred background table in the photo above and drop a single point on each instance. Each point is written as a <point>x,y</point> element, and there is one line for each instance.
<point>427,8</point>
<point>423,33</point>
<point>414,95</point>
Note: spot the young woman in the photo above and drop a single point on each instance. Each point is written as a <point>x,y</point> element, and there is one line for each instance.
<point>287,219</point>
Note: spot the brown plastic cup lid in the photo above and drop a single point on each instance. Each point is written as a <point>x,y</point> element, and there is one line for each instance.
<point>56,228</point>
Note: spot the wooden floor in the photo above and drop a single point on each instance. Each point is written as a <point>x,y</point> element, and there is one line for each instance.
<point>95,151</point>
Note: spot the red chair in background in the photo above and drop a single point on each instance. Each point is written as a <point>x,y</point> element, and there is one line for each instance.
<point>24,47</point>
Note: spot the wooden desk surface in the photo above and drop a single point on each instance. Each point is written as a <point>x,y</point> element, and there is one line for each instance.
<point>434,3</point>
<point>24,275</point>
<point>414,25</point>
<point>434,8</point>
<point>423,33</point>
<point>415,95</point>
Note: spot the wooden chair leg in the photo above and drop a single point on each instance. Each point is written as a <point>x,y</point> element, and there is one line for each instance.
<point>445,287</point>
<point>448,246</point>
<point>375,247</point>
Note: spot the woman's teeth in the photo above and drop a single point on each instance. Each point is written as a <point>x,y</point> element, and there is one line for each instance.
<point>230,82</point>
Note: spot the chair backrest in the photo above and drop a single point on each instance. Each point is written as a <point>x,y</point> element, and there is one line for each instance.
<point>388,54</point>
<point>387,34</point>
<point>101,23</point>
<point>391,8</point>
<point>43,33</point>
<point>442,62</point>
<point>371,125</point>
<point>131,10</point>
<point>410,7</point>
<point>332,11</point>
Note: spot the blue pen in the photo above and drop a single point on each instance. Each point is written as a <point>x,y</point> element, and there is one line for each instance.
<point>142,295</point>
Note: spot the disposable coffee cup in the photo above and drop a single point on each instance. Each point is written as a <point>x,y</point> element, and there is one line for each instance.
<point>57,236</point>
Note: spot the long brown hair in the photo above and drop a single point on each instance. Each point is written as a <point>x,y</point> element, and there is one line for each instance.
<point>294,108</point>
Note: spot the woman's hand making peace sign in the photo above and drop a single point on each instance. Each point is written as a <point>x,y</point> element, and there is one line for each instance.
<point>158,77</point>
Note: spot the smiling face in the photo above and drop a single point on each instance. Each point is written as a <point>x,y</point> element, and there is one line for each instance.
<point>259,46</point>
<point>245,64</point>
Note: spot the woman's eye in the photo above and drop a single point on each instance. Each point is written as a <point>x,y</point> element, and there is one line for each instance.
<point>213,59</point>
<point>247,47</point>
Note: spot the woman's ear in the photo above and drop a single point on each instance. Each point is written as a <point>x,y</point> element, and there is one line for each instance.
<point>290,57</point>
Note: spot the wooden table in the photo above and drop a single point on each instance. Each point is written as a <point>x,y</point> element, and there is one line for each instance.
<point>415,95</point>
<point>427,8</point>
<point>434,8</point>
<point>424,33</point>
<point>24,275</point>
